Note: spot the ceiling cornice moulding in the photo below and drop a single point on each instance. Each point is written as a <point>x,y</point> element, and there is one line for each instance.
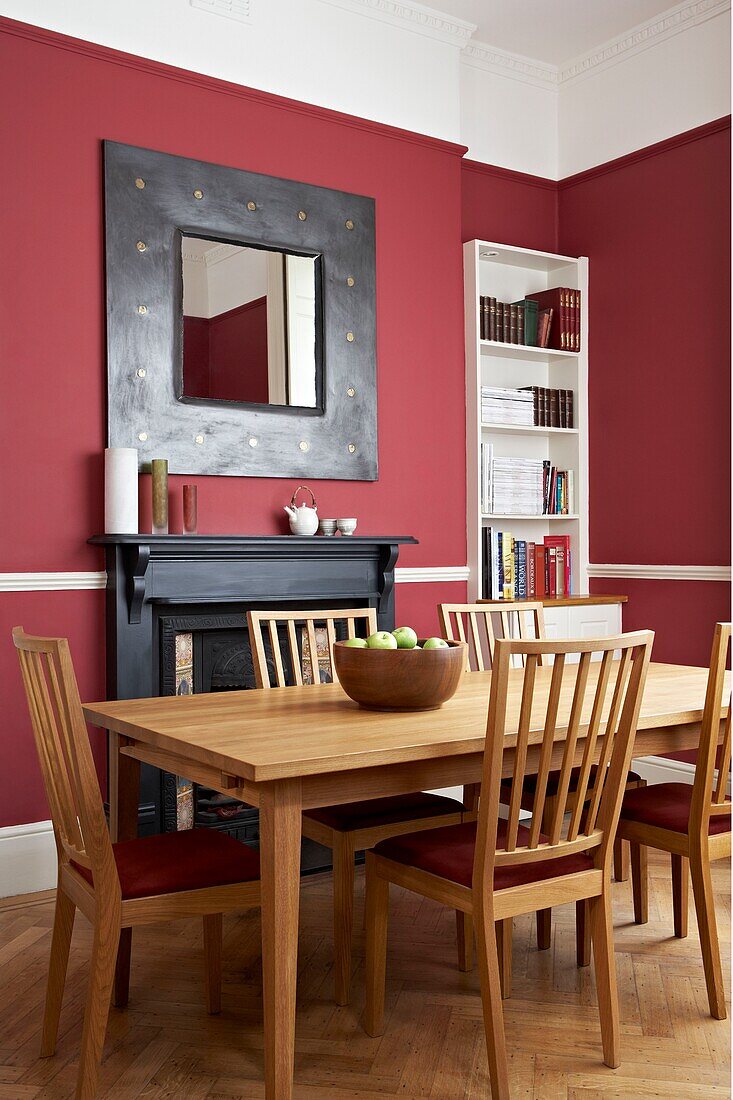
<point>642,37</point>
<point>412,17</point>
<point>240,10</point>
<point>541,74</point>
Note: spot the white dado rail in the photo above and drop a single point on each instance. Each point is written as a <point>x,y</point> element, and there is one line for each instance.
<point>65,582</point>
<point>71,581</point>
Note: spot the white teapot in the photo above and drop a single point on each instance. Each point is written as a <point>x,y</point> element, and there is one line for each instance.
<point>303,520</point>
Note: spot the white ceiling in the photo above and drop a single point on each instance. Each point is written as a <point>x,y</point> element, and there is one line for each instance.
<point>553,31</point>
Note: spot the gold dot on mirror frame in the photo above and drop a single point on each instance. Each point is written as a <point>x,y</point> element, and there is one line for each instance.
<point>253,441</point>
<point>140,183</point>
<point>142,436</point>
<point>350,280</point>
<point>302,215</point>
<point>304,445</point>
<point>141,246</point>
<point>142,310</point>
<point>199,439</point>
<point>251,205</point>
<point>352,448</point>
<point>141,372</point>
<point>350,337</point>
<point>198,193</point>
<point>349,224</point>
<point>351,392</point>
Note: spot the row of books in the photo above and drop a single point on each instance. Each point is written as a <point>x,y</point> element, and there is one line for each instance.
<point>548,319</point>
<point>529,406</point>
<point>524,486</point>
<point>514,569</point>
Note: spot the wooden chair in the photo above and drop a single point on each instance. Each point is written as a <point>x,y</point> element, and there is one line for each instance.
<point>494,869</point>
<point>693,824</point>
<point>355,826</point>
<point>116,886</point>
<point>480,625</point>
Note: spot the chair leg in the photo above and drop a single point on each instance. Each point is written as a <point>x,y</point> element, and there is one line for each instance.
<point>582,933</point>
<point>464,940</point>
<point>640,882</point>
<point>620,859</point>
<point>343,914</point>
<point>680,894</point>
<point>488,963</point>
<point>702,888</point>
<point>213,926</point>
<point>96,1013</point>
<point>544,929</point>
<point>121,992</point>
<point>63,925</point>
<point>544,916</point>
<point>377,910</point>
<point>504,937</point>
<point>601,928</point>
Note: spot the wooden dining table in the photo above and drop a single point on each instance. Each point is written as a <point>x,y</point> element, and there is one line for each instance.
<point>295,748</point>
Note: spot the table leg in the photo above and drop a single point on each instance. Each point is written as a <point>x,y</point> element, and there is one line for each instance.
<point>124,791</point>
<point>280,830</point>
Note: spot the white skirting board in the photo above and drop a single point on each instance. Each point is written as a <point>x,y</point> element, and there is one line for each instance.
<point>28,852</point>
<point>27,858</point>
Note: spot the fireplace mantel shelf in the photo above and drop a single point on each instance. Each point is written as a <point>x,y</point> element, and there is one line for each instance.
<point>187,568</point>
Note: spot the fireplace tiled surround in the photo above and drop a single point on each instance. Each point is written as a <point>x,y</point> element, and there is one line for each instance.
<point>176,623</point>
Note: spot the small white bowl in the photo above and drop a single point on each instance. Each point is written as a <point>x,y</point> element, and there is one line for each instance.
<point>327,527</point>
<point>346,526</point>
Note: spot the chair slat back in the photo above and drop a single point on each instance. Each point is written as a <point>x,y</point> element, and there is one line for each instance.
<point>64,752</point>
<point>710,791</point>
<point>302,642</point>
<point>480,625</point>
<point>550,711</point>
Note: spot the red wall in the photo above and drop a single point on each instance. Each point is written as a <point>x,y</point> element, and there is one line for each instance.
<point>656,226</point>
<point>226,356</point>
<point>508,207</point>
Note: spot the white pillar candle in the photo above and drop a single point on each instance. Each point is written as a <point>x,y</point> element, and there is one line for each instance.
<point>120,491</point>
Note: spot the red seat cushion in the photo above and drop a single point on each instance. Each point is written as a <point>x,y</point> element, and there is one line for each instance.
<point>689,756</point>
<point>553,781</point>
<point>189,860</point>
<point>448,852</point>
<point>666,805</point>
<point>384,811</point>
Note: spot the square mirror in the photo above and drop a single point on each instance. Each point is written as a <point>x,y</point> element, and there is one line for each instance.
<point>251,325</point>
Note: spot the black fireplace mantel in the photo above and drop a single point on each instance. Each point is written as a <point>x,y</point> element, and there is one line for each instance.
<point>153,578</point>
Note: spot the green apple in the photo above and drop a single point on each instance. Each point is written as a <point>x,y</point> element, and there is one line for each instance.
<point>381,640</point>
<point>356,643</point>
<point>435,643</point>
<point>406,637</point>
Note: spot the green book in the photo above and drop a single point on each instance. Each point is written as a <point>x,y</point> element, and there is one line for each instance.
<point>531,310</point>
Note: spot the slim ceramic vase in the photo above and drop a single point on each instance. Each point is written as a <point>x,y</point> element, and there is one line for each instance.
<point>160,496</point>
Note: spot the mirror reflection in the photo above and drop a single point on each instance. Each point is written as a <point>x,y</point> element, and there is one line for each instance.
<point>249,324</point>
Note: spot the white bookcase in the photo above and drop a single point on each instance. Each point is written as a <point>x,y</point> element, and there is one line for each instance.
<point>509,274</point>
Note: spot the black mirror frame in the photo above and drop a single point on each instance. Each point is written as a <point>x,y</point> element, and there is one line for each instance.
<point>151,199</point>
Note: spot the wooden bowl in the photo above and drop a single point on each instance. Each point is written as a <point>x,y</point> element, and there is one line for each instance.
<point>400,679</point>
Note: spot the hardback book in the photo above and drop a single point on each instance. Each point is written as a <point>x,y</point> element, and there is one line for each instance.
<point>561,545</point>
<point>528,310</point>
<point>507,545</point>
<point>531,570</point>
<point>539,570</point>
<point>552,571</point>
<point>556,300</point>
<point>520,553</point>
<point>544,325</point>
<point>513,324</point>
<point>492,318</point>
<point>519,306</point>
<point>507,323</point>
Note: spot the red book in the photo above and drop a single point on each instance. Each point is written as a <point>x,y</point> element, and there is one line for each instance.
<point>539,570</point>
<point>577,320</point>
<point>562,543</point>
<point>531,571</point>
<point>552,561</point>
<point>556,301</point>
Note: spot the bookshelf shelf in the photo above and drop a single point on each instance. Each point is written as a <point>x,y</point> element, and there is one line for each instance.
<point>509,274</point>
<point>523,351</point>
<point>524,429</point>
<point>520,517</point>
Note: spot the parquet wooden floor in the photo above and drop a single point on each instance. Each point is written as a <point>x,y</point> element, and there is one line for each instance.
<point>164,1044</point>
